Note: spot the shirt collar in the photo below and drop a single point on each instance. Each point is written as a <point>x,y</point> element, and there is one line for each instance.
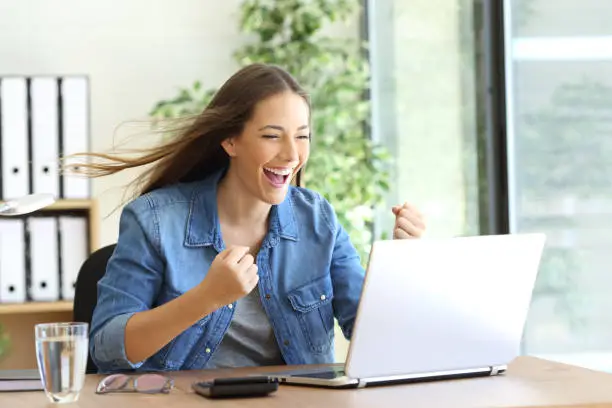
<point>203,228</point>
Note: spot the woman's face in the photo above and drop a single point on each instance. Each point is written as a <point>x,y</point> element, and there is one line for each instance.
<point>273,146</point>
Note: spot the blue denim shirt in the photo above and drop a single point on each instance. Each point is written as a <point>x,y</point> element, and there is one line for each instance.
<point>309,273</point>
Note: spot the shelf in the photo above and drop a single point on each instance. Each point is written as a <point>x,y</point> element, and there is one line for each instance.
<point>17,320</point>
<point>35,307</point>
<point>63,205</point>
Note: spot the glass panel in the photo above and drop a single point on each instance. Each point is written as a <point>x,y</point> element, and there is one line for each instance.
<point>560,168</point>
<point>534,18</point>
<point>425,109</point>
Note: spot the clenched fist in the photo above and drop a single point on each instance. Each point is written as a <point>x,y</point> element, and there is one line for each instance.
<point>409,222</point>
<point>232,275</point>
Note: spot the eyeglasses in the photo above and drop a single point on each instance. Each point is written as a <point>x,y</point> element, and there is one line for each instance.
<point>145,383</point>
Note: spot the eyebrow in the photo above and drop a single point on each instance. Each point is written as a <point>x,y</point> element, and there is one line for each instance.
<point>282,129</point>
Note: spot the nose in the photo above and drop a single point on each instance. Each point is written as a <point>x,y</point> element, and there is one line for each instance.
<point>290,151</point>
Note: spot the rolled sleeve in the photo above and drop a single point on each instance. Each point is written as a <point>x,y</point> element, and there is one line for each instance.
<point>109,344</point>
<point>131,284</point>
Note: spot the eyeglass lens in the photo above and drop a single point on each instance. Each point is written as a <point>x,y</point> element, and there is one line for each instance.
<point>152,383</point>
<point>114,382</point>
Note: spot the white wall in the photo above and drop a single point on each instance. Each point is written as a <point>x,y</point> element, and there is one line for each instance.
<point>135,52</point>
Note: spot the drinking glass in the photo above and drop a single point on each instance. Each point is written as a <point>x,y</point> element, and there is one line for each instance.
<point>61,352</point>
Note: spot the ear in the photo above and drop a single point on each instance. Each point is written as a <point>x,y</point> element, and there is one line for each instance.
<point>229,146</point>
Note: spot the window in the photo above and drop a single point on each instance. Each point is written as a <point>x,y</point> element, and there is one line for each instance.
<point>426,109</point>
<point>559,117</point>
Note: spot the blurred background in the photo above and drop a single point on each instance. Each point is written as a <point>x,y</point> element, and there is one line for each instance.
<point>490,116</point>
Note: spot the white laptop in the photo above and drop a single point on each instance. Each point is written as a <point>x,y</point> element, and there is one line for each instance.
<point>436,309</point>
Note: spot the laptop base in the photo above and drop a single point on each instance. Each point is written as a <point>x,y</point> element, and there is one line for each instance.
<point>336,378</point>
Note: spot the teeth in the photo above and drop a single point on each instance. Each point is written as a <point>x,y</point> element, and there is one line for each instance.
<point>280,172</point>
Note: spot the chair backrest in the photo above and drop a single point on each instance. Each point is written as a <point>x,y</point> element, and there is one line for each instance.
<point>86,289</point>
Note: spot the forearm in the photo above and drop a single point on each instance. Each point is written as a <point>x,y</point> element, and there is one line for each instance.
<point>147,332</point>
<point>347,275</point>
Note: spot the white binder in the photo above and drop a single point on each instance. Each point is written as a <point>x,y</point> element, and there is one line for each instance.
<point>44,259</point>
<point>75,137</point>
<point>12,261</point>
<point>74,250</point>
<point>45,135</point>
<point>14,131</point>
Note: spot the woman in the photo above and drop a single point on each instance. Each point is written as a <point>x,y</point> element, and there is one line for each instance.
<point>219,261</point>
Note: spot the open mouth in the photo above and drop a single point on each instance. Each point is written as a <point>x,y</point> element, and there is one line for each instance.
<point>276,176</point>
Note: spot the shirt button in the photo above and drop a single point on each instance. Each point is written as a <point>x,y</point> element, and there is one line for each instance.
<point>286,342</point>
<point>207,350</point>
<point>322,297</point>
<point>267,296</point>
<point>230,306</point>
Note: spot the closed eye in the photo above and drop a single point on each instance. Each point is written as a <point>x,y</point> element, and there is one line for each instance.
<point>304,137</point>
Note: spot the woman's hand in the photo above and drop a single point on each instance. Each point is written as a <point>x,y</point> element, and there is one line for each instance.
<point>409,222</point>
<point>231,276</point>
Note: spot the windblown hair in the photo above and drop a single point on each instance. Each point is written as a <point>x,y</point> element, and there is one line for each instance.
<point>195,151</point>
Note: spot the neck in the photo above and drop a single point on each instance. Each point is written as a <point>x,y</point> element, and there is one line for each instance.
<point>237,207</point>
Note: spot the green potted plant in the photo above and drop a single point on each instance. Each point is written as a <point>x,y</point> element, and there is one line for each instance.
<point>345,166</point>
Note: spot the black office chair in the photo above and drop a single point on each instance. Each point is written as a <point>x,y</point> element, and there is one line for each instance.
<point>86,290</point>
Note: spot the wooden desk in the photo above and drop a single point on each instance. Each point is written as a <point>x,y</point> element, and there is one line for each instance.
<point>529,382</point>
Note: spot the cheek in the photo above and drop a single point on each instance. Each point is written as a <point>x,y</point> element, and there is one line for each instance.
<point>262,156</point>
<point>255,156</point>
<point>304,152</point>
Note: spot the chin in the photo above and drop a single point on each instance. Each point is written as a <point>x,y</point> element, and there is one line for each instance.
<point>274,198</point>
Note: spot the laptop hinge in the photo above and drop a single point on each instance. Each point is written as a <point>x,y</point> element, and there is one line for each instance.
<point>497,370</point>
<point>361,383</point>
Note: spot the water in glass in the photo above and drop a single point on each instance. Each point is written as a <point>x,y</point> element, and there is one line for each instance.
<point>61,350</point>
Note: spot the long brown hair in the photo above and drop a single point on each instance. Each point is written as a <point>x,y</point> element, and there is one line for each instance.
<point>195,151</point>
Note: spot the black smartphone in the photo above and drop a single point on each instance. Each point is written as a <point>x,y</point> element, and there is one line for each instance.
<point>241,387</point>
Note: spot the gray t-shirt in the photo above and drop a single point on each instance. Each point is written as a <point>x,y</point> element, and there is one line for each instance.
<point>249,340</point>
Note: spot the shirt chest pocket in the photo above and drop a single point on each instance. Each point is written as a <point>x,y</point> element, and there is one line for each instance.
<point>314,312</point>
